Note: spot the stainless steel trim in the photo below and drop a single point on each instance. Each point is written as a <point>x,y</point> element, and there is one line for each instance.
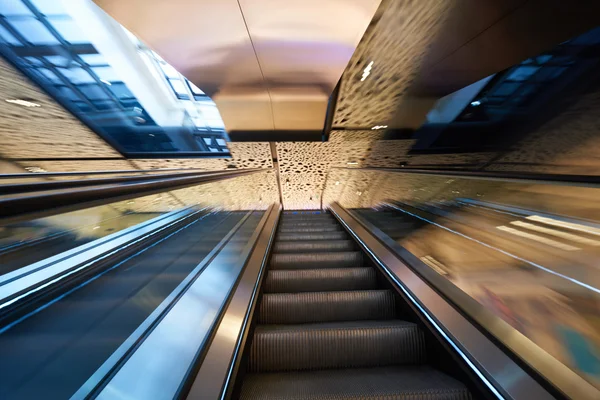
<point>24,282</point>
<point>161,364</point>
<point>502,375</point>
<point>120,355</point>
<point>219,367</point>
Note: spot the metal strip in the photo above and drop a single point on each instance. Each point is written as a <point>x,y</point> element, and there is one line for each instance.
<point>163,361</point>
<point>126,349</point>
<point>220,365</point>
<point>502,375</point>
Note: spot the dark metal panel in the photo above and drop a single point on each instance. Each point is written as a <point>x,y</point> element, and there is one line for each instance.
<point>501,374</point>
<point>220,365</point>
<point>276,136</point>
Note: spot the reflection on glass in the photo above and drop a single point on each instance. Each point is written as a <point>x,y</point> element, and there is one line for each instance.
<point>24,243</point>
<point>527,252</point>
<point>76,52</point>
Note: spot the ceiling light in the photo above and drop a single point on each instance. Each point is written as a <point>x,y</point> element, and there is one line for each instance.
<point>352,163</point>
<point>22,102</point>
<point>379,127</point>
<point>96,227</point>
<point>475,103</point>
<point>35,169</point>
<point>367,71</point>
<point>337,182</point>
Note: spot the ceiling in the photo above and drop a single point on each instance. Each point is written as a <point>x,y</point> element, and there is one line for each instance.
<point>419,49</point>
<point>268,67</point>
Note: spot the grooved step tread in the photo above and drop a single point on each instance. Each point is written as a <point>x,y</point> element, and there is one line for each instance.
<point>320,280</point>
<point>340,259</point>
<point>337,235</point>
<point>307,229</point>
<point>308,223</point>
<point>336,345</point>
<point>313,246</point>
<point>380,383</point>
<point>298,308</point>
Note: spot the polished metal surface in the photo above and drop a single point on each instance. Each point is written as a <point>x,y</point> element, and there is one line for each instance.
<point>267,64</point>
<point>24,282</point>
<point>499,372</point>
<point>220,365</point>
<point>153,370</point>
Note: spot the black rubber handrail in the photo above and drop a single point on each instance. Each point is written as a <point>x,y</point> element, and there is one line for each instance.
<point>37,175</point>
<point>66,184</point>
<point>45,203</point>
<point>517,177</point>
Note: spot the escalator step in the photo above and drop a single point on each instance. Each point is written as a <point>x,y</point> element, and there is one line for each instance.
<point>307,223</point>
<point>339,235</point>
<point>298,308</point>
<point>382,383</point>
<point>320,280</point>
<point>340,259</point>
<point>313,246</point>
<point>308,217</point>
<point>306,229</point>
<point>336,345</point>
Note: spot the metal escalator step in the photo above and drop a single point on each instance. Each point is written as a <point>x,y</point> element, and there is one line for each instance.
<point>308,218</point>
<point>320,280</point>
<point>313,246</point>
<point>307,229</point>
<point>382,383</point>
<point>338,235</point>
<point>340,259</point>
<point>305,212</point>
<point>298,308</point>
<point>285,223</point>
<point>352,344</point>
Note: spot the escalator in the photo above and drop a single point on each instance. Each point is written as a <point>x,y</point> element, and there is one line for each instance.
<point>56,347</point>
<point>329,327</point>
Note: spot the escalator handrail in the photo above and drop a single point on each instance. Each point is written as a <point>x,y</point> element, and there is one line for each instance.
<point>45,203</point>
<point>516,177</point>
<point>491,362</point>
<point>79,183</point>
<point>38,175</point>
<point>531,356</point>
<point>216,375</point>
<point>127,379</point>
<point>21,287</point>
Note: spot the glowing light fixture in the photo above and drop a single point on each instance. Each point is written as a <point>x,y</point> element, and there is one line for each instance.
<point>379,127</point>
<point>367,71</point>
<point>22,102</point>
